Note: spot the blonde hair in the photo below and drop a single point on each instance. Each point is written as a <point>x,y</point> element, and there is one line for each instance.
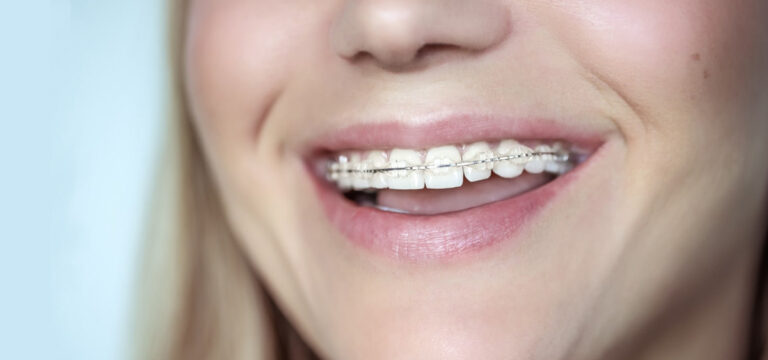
<point>198,297</point>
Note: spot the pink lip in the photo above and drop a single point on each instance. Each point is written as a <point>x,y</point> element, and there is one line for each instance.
<point>462,129</point>
<point>422,238</point>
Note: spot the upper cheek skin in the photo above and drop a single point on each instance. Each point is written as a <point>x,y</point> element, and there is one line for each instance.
<point>661,57</point>
<point>236,63</point>
<point>679,70</point>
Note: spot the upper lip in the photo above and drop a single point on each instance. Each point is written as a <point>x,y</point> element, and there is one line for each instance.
<point>455,129</point>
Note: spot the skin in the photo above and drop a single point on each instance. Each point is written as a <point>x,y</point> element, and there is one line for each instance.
<point>653,256</point>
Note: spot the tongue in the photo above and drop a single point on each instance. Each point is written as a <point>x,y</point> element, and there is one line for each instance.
<point>469,195</point>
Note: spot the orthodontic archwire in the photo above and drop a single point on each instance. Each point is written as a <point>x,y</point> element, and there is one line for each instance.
<point>334,168</point>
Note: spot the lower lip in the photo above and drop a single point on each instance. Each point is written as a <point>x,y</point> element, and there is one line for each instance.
<point>419,238</point>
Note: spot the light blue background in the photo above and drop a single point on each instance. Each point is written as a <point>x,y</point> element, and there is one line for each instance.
<point>81,104</point>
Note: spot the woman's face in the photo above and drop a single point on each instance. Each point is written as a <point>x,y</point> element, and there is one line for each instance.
<point>663,109</point>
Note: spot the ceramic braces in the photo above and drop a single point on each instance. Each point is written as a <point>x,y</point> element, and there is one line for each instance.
<point>335,169</point>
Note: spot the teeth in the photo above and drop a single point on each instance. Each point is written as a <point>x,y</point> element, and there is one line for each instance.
<point>345,178</point>
<point>405,179</point>
<point>443,177</point>
<point>535,165</point>
<point>476,152</point>
<point>554,167</point>
<point>377,160</point>
<point>513,167</point>
<point>360,179</point>
<point>445,167</point>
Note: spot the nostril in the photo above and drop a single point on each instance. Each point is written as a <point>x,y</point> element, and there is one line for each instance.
<point>429,50</point>
<point>427,55</point>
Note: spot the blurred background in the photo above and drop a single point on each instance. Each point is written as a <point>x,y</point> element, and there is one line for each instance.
<point>82,96</point>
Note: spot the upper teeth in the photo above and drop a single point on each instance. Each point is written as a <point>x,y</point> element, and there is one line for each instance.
<point>445,166</point>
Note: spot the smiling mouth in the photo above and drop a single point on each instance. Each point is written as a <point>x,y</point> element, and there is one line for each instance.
<point>420,200</point>
<point>395,180</point>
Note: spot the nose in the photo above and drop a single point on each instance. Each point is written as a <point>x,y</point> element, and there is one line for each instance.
<point>398,32</point>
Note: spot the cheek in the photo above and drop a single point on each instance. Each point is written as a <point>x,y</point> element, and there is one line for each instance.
<point>682,75</point>
<point>236,63</point>
<point>667,59</point>
<point>682,72</point>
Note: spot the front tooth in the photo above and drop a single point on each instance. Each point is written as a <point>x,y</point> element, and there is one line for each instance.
<point>475,152</point>
<point>536,164</point>
<point>513,167</point>
<point>404,179</point>
<point>377,160</point>
<point>443,177</point>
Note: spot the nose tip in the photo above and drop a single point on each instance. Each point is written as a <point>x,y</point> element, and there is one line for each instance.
<point>395,32</point>
<point>391,34</point>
